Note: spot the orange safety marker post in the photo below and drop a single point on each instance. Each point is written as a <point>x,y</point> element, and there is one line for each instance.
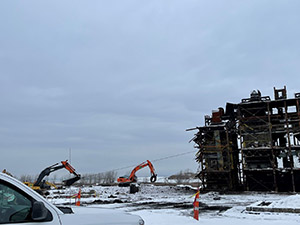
<point>77,200</point>
<point>196,206</point>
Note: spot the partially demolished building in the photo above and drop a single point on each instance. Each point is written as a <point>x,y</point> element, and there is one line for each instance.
<point>253,145</point>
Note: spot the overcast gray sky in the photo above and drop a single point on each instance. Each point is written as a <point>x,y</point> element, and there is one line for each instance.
<point>118,82</point>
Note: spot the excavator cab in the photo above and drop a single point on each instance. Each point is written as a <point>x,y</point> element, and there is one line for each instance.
<point>126,180</point>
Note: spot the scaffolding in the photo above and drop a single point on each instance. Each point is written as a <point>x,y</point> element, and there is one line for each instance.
<point>217,154</point>
<point>255,145</point>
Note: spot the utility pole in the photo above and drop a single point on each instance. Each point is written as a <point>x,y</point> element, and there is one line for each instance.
<point>70,154</point>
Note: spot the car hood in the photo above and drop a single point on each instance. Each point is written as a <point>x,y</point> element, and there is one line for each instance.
<point>98,216</point>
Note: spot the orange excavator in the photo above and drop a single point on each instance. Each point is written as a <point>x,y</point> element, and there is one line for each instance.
<point>127,180</point>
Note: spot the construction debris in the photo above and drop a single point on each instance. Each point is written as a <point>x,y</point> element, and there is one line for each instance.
<point>253,145</point>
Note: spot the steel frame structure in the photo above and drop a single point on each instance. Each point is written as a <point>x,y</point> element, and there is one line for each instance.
<point>254,145</point>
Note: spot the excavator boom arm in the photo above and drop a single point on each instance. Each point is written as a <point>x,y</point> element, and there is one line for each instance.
<point>50,169</point>
<point>132,177</point>
<point>46,172</point>
<point>132,174</point>
<point>69,167</point>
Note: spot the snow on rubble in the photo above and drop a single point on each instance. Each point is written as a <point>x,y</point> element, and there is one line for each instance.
<point>173,204</point>
<point>288,202</point>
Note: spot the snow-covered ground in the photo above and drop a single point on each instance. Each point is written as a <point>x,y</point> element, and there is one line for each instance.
<point>174,205</point>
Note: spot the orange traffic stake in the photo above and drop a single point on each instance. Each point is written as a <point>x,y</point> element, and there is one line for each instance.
<point>196,206</point>
<point>77,201</point>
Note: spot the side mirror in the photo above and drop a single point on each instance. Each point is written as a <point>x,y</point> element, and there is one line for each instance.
<point>39,211</point>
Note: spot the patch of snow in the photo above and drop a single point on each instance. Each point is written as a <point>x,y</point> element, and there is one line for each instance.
<point>174,204</point>
<point>288,202</point>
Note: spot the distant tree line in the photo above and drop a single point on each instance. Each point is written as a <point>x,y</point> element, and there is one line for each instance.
<point>28,178</point>
<point>109,177</point>
<point>183,176</point>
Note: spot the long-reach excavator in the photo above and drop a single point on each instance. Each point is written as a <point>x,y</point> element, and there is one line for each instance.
<point>127,180</point>
<point>41,184</point>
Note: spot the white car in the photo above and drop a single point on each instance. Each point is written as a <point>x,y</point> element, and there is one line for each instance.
<point>19,204</point>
